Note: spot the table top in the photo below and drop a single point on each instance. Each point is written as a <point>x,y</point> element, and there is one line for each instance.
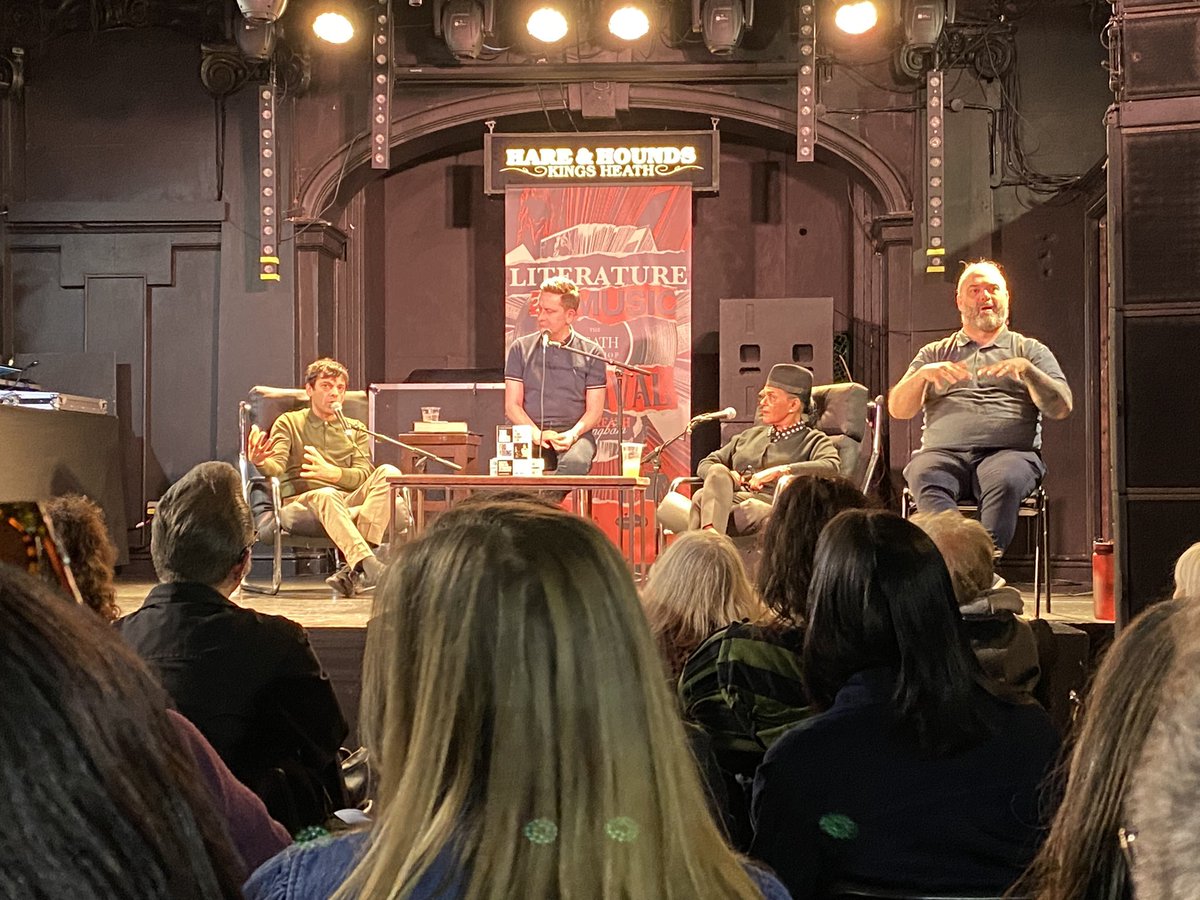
<point>514,481</point>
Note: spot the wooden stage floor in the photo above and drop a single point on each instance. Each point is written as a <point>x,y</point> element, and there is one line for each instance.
<point>309,601</point>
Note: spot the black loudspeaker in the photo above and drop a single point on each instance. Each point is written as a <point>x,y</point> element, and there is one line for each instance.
<point>1160,221</point>
<point>1154,220</point>
<point>1160,54</point>
<point>757,334</point>
<point>461,192</point>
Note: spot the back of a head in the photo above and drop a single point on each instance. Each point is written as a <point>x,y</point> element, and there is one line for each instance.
<point>1161,808</point>
<point>515,702</point>
<point>881,597</point>
<point>81,532</point>
<point>91,766</point>
<point>1081,856</point>
<point>1187,572</point>
<point>966,547</point>
<point>801,511</point>
<point>202,526</point>
<point>697,586</point>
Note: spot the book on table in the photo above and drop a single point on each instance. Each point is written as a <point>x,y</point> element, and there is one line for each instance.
<point>439,427</point>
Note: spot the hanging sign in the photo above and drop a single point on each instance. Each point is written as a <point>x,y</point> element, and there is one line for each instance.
<point>602,158</point>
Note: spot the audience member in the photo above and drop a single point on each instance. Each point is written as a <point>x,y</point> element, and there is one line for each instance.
<point>1187,573</point>
<point>913,776</point>
<point>743,683</point>
<point>79,526</point>
<point>697,586</point>
<point>1004,644</point>
<point>1160,819</point>
<point>101,798</point>
<point>1147,679</point>
<point>250,682</point>
<point>527,744</point>
<point>82,535</point>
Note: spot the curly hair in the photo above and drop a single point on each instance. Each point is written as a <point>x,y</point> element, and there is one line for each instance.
<point>82,534</point>
<point>802,508</point>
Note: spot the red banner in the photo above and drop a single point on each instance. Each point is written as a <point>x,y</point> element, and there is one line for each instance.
<point>629,248</point>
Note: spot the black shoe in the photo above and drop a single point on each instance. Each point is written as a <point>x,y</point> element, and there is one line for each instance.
<point>372,568</point>
<point>343,581</point>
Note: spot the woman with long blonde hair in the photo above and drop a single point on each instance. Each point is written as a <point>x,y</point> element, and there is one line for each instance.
<point>526,744</point>
<point>697,586</point>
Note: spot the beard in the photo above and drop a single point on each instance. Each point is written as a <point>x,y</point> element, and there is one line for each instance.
<point>987,320</point>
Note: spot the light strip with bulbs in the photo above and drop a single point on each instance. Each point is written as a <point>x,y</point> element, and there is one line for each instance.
<point>935,173</point>
<point>806,85</point>
<point>381,86</point>
<point>268,186</point>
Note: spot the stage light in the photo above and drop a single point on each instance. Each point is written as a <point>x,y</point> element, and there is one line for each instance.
<point>935,173</point>
<point>723,22</point>
<point>262,10</point>
<point>333,27</point>
<point>460,23</point>
<point>547,24</point>
<point>256,40</point>
<point>856,18</point>
<point>381,87</point>
<point>629,22</point>
<point>806,84</point>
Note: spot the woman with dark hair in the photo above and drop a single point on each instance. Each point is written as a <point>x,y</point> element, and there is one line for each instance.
<point>527,745</point>
<point>743,684</point>
<point>82,535</point>
<point>789,545</point>
<point>913,776</point>
<point>101,797</point>
<point>1138,741</point>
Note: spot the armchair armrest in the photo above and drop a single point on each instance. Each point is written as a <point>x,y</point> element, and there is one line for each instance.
<point>682,480</point>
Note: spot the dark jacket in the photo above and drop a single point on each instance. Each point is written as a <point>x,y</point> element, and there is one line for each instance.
<point>846,796</point>
<point>253,686</point>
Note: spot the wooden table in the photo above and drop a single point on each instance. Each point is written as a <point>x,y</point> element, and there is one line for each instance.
<point>629,491</point>
<point>456,446</point>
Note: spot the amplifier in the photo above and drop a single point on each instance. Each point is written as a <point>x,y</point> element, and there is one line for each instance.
<point>54,400</point>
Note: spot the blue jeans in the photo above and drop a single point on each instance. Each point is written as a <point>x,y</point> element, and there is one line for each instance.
<point>998,480</point>
<point>576,461</point>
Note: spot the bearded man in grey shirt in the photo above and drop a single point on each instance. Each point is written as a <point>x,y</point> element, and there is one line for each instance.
<point>984,390</point>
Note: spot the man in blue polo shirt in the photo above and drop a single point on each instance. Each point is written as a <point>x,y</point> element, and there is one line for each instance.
<point>559,392</point>
<point>984,390</point>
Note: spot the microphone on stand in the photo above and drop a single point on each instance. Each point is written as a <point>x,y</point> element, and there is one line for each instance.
<point>546,342</point>
<point>336,406</point>
<point>723,415</point>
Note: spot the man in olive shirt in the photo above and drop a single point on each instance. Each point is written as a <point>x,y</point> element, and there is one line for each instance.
<point>327,477</point>
<point>739,478</point>
<point>984,390</point>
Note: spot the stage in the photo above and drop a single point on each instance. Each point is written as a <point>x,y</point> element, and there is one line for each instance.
<point>337,626</point>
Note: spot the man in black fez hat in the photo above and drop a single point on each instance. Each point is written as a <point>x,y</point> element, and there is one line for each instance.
<point>739,478</point>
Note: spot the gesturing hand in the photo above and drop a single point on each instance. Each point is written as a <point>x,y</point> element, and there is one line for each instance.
<point>944,374</point>
<point>1008,368</point>
<point>259,446</point>
<point>317,467</point>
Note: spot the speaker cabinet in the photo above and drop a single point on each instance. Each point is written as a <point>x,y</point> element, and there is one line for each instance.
<point>757,334</point>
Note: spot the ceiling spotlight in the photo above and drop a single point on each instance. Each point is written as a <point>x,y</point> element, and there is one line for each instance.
<point>256,40</point>
<point>723,22</point>
<point>333,27</point>
<point>547,24</point>
<point>629,22</point>
<point>463,24</point>
<point>856,18</point>
<point>262,10</point>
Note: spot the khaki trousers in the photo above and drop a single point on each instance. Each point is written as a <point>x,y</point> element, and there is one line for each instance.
<point>354,520</point>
